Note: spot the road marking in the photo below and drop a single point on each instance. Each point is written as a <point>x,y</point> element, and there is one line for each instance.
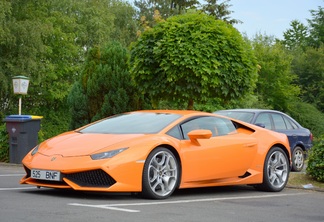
<point>108,207</point>
<point>12,175</point>
<point>17,188</point>
<point>117,206</point>
<point>13,188</point>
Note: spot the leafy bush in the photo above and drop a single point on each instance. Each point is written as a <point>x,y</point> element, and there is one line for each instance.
<point>4,145</point>
<point>315,167</point>
<point>308,116</point>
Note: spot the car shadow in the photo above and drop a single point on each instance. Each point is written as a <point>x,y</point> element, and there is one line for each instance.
<point>178,194</point>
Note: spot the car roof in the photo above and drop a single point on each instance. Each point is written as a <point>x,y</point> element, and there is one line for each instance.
<point>250,110</point>
<point>257,111</point>
<point>182,112</point>
<point>178,112</point>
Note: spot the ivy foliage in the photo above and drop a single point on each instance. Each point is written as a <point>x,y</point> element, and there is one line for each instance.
<point>193,57</point>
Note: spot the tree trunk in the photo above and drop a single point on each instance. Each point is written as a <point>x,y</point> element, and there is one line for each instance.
<point>190,104</point>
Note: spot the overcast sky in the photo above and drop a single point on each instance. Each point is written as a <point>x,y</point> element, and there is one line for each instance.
<point>271,17</point>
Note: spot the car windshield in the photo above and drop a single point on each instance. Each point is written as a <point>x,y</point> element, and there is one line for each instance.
<point>132,123</point>
<point>244,116</point>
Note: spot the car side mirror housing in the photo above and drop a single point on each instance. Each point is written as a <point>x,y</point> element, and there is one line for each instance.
<point>194,135</point>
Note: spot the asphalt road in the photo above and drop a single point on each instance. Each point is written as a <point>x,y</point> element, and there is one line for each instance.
<point>237,203</point>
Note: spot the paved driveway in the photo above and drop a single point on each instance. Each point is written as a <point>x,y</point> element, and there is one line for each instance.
<point>237,203</point>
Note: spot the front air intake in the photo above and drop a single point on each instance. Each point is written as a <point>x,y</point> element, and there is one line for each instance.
<point>92,178</point>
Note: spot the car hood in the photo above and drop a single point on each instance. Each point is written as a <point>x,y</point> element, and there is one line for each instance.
<point>79,144</point>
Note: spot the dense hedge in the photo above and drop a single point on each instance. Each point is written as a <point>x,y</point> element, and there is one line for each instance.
<point>308,116</point>
<point>4,144</point>
<point>315,167</point>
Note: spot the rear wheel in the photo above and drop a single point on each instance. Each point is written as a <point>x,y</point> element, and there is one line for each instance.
<point>161,174</point>
<point>276,171</point>
<point>298,159</point>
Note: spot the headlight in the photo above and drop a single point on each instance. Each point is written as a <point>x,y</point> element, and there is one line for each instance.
<point>35,150</point>
<point>108,154</point>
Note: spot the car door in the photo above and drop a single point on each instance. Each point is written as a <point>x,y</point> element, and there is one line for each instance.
<point>283,125</point>
<point>225,154</point>
<point>264,119</point>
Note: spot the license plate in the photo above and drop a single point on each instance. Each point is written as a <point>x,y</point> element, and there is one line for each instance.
<point>46,175</point>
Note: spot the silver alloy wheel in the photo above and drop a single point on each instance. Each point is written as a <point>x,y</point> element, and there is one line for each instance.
<point>162,173</point>
<point>277,169</point>
<point>298,159</point>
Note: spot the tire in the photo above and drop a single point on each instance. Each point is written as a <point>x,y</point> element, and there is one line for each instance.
<point>275,172</point>
<point>161,174</point>
<point>298,159</point>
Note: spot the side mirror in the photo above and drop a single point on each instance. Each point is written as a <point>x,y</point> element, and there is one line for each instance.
<point>260,124</point>
<point>194,135</point>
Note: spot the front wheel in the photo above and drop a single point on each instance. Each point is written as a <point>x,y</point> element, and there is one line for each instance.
<point>161,174</point>
<point>276,171</point>
<point>298,159</point>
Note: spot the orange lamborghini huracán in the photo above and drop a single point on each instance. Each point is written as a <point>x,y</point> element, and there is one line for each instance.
<point>154,152</point>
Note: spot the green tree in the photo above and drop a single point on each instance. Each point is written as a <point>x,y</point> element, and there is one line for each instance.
<point>47,42</point>
<point>105,87</point>
<point>4,12</point>
<point>297,36</point>
<point>316,26</point>
<point>166,8</point>
<point>219,10</point>
<point>40,44</point>
<point>147,9</point>
<point>103,21</point>
<point>149,12</point>
<point>275,83</point>
<point>309,67</point>
<point>193,57</point>
<point>77,101</point>
<point>125,26</point>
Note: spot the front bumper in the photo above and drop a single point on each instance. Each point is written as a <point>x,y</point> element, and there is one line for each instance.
<point>83,173</point>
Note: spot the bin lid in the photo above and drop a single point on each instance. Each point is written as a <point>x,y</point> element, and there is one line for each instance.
<point>21,118</point>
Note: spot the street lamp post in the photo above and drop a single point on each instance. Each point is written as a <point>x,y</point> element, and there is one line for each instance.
<point>20,86</point>
<point>22,129</point>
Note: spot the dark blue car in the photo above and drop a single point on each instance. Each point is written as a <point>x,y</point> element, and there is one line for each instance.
<point>300,138</point>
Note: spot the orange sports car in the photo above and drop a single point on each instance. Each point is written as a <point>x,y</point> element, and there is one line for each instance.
<point>154,152</point>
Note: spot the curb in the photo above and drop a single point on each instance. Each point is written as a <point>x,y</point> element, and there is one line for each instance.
<point>10,164</point>
<point>302,188</point>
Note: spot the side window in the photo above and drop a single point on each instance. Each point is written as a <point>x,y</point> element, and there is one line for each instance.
<point>290,124</point>
<point>218,126</point>
<point>191,125</point>
<point>279,123</point>
<point>175,132</point>
<point>264,118</point>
